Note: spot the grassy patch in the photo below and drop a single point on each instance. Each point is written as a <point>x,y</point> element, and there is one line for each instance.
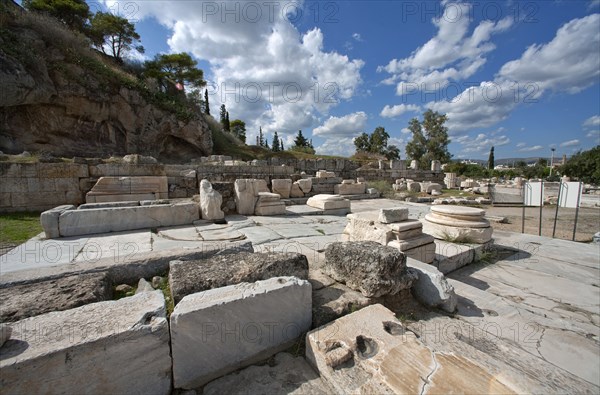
<point>457,239</point>
<point>17,228</point>
<point>383,187</point>
<point>487,257</point>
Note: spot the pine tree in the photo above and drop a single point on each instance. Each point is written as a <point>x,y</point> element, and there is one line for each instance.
<point>227,125</point>
<point>261,138</point>
<point>275,145</point>
<point>206,106</point>
<point>267,145</point>
<point>223,116</point>
<point>491,159</point>
<point>300,140</point>
<point>281,145</point>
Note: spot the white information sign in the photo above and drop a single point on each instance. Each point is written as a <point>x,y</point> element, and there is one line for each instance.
<point>533,194</point>
<point>570,194</point>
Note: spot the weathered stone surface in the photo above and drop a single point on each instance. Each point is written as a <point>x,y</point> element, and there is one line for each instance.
<point>370,351</point>
<point>282,187</point>
<point>459,211</point>
<point>431,287</point>
<point>5,333</point>
<point>114,347</point>
<point>413,187</point>
<point>28,300</point>
<point>305,184</point>
<point>246,194</point>
<point>368,267</point>
<point>477,222</point>
<point>431,187</point>
<point>286,375</point>
<point>296,191</point>
<point>328,202</point>
<point>210,202</point>
<point>49,220</point>
<point>424,253</point>
<point>391,215</point>
<point>335,301</point>
<point>350,189</point>
<point>143,286</point>
<point>109,189</point>
<point>413,242</point>
<point>221,330</point>
<point>456,234</point>
<point>188,277</point>
<point>83,222</point>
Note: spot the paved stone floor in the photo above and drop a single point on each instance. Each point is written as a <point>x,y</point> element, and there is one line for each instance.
<point>539,302</point>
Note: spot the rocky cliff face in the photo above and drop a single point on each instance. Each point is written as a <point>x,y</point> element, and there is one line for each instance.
<point>69,101</point>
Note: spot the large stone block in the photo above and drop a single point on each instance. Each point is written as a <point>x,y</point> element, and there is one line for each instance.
<point>49,220</point>
<point>296,191</point>
<point>371,351</point>
<point>391,215</point>
<point>457,234</point>
<point>305,184</point>
<point>246,194</point>
<point>221,330</point>
<point>188,277</point>
<point>268,209</point>
<point>350,189</point>
<point>368,267</point>
<point>116,347</point>
<point>328,202</point>
<point>282,187</point>
<point>82,222</point>
<point>128,188</point>
<point>28,300</point>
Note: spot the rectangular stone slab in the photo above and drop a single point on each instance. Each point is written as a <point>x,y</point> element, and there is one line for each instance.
<point>90,221</point>
<point>116,347</point>
<point>188,277</point>
<point>221,330</point>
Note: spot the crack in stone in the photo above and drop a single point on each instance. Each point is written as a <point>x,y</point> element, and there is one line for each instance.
<point>426,379</point>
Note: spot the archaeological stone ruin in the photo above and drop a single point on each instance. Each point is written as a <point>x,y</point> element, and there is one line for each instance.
<point>225,276</point>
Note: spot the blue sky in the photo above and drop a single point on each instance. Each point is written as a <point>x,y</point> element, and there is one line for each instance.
<point>522,76</point>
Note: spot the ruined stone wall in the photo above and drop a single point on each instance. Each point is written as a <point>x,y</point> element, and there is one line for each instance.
<point>41,186</point>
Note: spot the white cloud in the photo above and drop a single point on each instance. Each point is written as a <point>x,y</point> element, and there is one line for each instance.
<point>480,143</point>
<point>357,37</point>
<point>450,55</point>
<point>264,70</point>
<point>530,149</point>
<point>405,130</point>
<point>519,145</point>
<point>397,110</point>
<point>340,147</point>
<point>350,125</point>
<point>570,62</point>
<point>570,143</point>
<point>592,122</point>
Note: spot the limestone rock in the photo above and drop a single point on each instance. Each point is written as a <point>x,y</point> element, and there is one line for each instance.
<point>210,202</point>
<point>335,301</point>
<point>124,288</point>
<point>5,333</point>
<point>431,287</point>
<point>143,286</point>
<point>118,189</point>
<point>187,277</point>
<point>135,159</point>
<point>246,194</point>
<point>391,215</point>
<point>49,220</point>
<point>350,189</point>
<point>221,330</point>
<point>28,300</point>
<point>368,267</point>
<point>433,187</point>
<point>458,234</point>
<point>114,347</point>
<point>413,186</point>
<point>305,184</point>
<point>282,187</point>
<point>296,191</point>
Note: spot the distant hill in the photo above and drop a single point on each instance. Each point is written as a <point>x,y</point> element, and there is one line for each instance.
<point>510,161</point>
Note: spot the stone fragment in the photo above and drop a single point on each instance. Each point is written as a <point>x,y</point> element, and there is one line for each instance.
<point>431,287</point>
<point>305,184</point>
<point>210,202</point>
<point>28,300</point>
<point>246,194</point>
<point>282,187</point>
<point>188,277</point>
<point>114,347</point>
<point>346,182</point>
<point>431,187</point>
<point>391,215</point>
<point>158,282</point>
<point>335,301</point>
<point>424,253</point>
<point>143,286</point>
<point>49,220</point>
<point>124,288</point>
<point>109,189</point>
<point>350,189</point>
<point>5,333</point>
<point>370,351</point>
<point>221,330</point>
<point>458,234</point>
<point>413,186</point>
<point>368,267</point>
